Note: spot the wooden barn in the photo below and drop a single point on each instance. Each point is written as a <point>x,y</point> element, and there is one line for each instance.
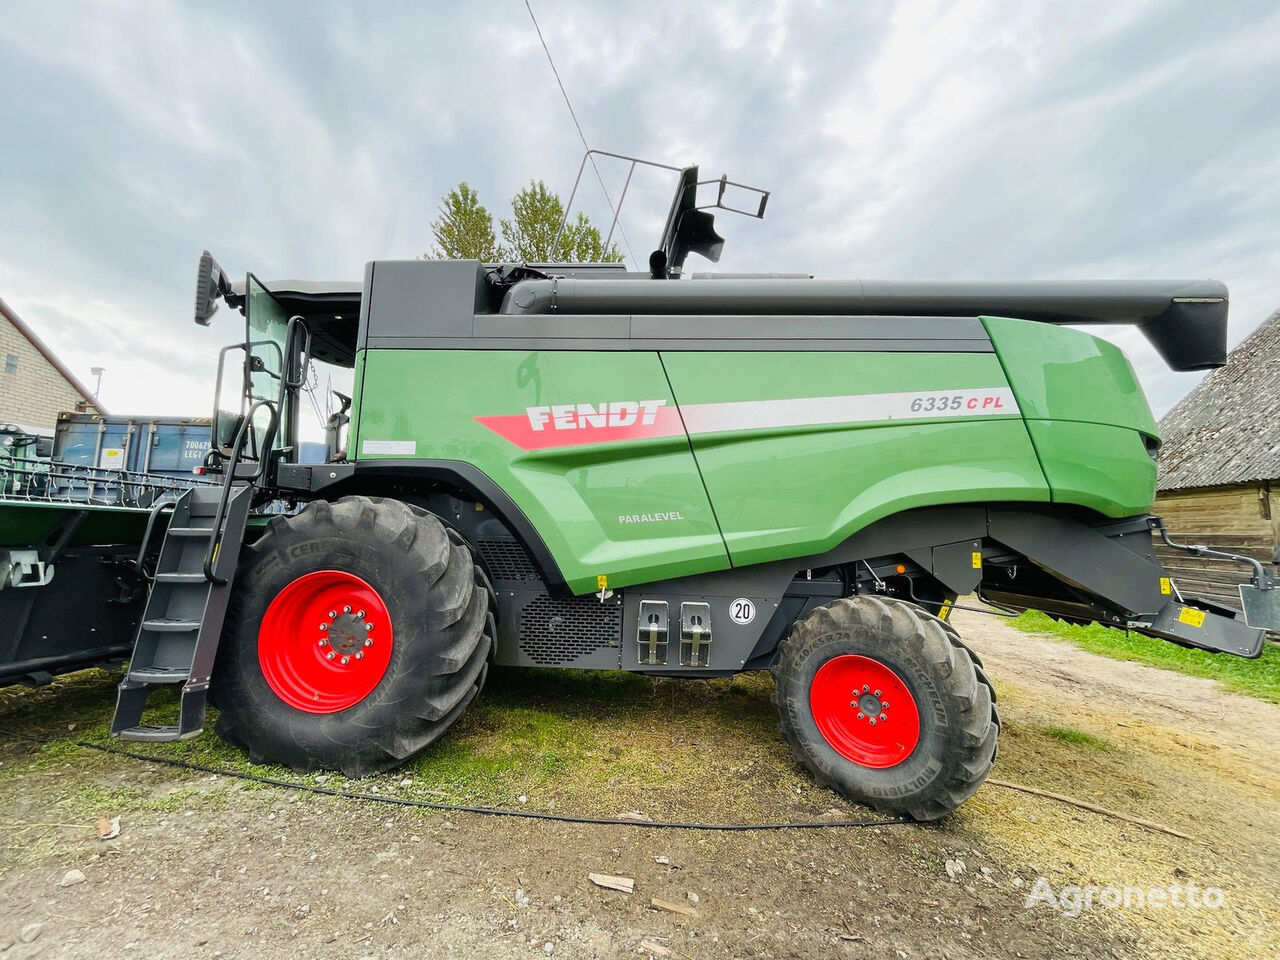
<point>1219,468</point>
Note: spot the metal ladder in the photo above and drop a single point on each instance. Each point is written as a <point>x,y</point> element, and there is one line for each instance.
<point>178,637</point>
<point>177,640</point>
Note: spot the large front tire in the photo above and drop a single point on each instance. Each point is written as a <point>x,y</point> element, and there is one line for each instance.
<point>883,703</point>
<point>357,633</point>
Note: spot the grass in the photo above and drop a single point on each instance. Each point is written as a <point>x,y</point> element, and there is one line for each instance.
<point>1079,738</point>
<point>90,800</point>
<point>567,737</point>
<point>1256,678</point>
<point>597,743</point>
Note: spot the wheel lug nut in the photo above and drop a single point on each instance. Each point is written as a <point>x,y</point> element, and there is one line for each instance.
<point>324,626</point>
<point>865,688</point>
<point>332,614</point>
<point>368,642</point>
<point>877,693</point>
<point>345,660</point>
<point>324,642</point>
<point>346,609</point>
<point>883,717</point>
<point>360,614</point>
<point>873,721</point>
<point>368,625</point>
<point>862,716</point>
<point>884,704</point>
<point>360,655</point>
<point>330,655</point>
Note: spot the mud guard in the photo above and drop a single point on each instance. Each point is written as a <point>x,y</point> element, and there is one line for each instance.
<point>1207,626</point>
<point>1116,563</point>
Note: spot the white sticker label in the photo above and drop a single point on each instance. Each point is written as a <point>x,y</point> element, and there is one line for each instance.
<point>112,458</point>
<point>742,611</point>
<point>402,447</point>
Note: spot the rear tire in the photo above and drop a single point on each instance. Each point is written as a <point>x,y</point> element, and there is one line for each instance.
<point>934,739</point>
<point>299,686</point>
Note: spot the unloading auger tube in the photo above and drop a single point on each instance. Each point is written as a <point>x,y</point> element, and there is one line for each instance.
<point>1184,320</point>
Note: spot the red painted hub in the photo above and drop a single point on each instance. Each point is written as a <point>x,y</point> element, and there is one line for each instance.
<point>325,642</point>
<point>864,710</point>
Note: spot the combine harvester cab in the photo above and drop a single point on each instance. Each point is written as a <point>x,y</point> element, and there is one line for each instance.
<point>579,466</point>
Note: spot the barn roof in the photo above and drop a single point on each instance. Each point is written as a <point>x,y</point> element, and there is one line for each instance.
<point>1227,430</point>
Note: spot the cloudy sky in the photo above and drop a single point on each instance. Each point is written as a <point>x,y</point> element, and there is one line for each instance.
<point>1003,140</point>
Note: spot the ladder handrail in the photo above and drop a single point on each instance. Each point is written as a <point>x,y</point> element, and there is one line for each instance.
<point>153,516</point>
<point>289,383</point>
<point>215,535</point>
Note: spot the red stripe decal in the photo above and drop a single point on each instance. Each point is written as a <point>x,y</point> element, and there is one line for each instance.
<point>572,425</point>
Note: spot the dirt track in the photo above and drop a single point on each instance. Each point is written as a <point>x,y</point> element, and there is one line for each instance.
<point>216,866</point>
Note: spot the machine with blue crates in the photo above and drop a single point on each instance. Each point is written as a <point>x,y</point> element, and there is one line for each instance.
<point>163,445</point>
<point>102,457</point>
<point>81,500</point>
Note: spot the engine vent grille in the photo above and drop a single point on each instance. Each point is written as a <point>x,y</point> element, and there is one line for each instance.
<point>557,631</point>
<point>507,560</point>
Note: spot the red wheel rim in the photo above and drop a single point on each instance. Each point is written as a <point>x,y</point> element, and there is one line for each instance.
<point>864,711</point>
<point>325,642</point>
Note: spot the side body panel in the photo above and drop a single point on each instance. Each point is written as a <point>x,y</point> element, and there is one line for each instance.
<point>801,450</point>
<point>770,455</point>
<point>631,508</point>
<point>1086,414</point>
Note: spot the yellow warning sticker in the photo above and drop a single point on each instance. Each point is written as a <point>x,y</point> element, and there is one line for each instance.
<point>1165,588</point>
<point>1192,618</point>
<point>602,582</point>
<point>944,610</point>
<point>977,560</point>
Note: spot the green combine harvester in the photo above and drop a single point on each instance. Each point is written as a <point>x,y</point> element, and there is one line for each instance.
<point>578,466</point>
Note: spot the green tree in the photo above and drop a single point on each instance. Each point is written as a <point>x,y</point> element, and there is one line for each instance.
<point>582,243</point>
<point>464,229</point>
<point>536,213</point>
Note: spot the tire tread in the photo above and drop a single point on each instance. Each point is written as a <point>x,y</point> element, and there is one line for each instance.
<point>957,671</point>
<point>434,684</point>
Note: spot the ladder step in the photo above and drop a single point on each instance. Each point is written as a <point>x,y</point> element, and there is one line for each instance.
<point>168,633</point>
<point>161,674</point>
<point>180,578</point>
<point>157,734</point>
<point>170,625</point>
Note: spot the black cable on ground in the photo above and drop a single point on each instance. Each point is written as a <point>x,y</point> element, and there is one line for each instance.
<point>461,808</point>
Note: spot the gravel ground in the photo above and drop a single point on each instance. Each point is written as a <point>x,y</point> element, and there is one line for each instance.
<point>214,866</point>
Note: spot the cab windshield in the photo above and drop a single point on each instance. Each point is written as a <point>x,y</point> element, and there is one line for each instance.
<point>267,333</point>
<point>261,389</point>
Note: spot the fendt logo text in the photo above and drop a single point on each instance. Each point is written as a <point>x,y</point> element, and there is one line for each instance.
<point>583,416</point>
